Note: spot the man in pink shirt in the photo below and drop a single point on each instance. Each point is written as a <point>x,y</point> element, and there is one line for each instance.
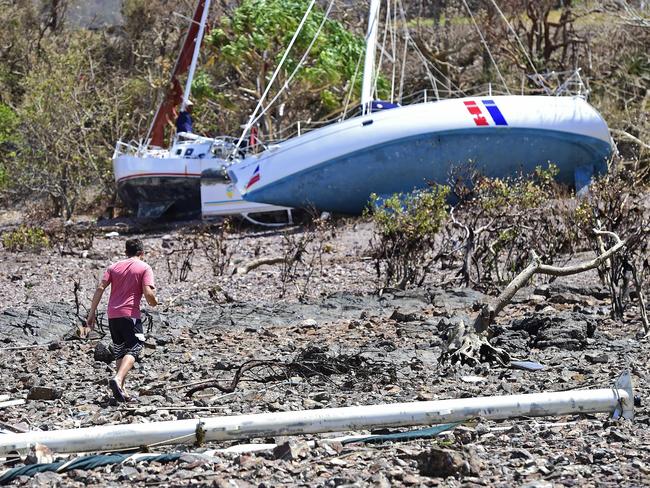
<point>129,279</point>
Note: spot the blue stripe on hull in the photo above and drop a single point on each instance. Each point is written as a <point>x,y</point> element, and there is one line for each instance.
<point>344,184</point>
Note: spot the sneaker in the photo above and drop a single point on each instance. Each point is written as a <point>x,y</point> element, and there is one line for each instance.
<point>118,394</point>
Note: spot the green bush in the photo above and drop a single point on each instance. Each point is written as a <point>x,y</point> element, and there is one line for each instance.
<point>405,229</point>
<point>8,124</point>
<point>8,138</point>
<point>25,238</point>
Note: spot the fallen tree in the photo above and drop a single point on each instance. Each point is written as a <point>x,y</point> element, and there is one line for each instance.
<point>471,345</point>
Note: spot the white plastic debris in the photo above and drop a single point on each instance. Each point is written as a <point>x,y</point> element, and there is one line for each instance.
<point>473,379</point>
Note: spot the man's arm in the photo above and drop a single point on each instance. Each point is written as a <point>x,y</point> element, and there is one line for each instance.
<point>97,297</point>
<point>149,295</point>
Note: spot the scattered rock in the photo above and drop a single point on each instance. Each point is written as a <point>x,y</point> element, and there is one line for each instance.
<point>127,473</point>
<point>597,358</point>
<point>577,450</point>
<point>617,436</point>
<point>399,316</point>
<point>599,454</point>
<point>40,324</point>
<point>538,484</point>
<point>44,393</point>
<point>167,241</point>
<point>521,454</point>
<point>47,478</point>
<point>103,353</point>
<point>641,466</point>
<point>291,450</point>
<point>564,330</point>
<point>436,462</point>
<point>309,323</point>
<point>473,379</point>
<point>559,288</point>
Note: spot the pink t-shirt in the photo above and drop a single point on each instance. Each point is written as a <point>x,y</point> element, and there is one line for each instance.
<point>126,278</point>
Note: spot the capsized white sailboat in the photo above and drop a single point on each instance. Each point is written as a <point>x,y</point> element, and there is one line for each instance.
<point>188,179</point>
<point>338,167</point>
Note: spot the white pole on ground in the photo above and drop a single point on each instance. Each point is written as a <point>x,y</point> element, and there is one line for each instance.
<point>618,399</point>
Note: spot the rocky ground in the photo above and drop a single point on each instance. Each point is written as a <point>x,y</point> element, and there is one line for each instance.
<point>331,341</point>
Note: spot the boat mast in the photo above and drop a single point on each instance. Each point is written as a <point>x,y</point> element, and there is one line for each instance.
<point>369,63</point>
<point>174,95</point>
<point>195,56</point>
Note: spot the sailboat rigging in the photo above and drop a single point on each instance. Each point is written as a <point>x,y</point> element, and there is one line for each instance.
<point>187,180</point>
<point>338,167</point>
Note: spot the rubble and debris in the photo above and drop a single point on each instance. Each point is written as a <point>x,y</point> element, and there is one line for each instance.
<point>198,340</point>
<point>44,393</point>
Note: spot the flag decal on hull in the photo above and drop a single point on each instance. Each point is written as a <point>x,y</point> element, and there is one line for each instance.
<point>495,113</point>
<point>255,178</point>
<point>479,116</point>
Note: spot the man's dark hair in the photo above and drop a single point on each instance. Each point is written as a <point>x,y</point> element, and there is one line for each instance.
<point>134,247</point>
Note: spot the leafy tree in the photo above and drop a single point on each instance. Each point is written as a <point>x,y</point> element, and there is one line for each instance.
<point>69,124</point>
<point>25,238</point>
<point>8,125</point>
<point>76,93</point>
<point>8,141</point>
<point>19,24</point>
<point>246,46</point>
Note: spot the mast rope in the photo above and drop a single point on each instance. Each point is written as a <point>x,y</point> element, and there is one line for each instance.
<point>521,45</point>
<point>285,85</point>
<point>423,59</point>
<point>354,79</point>
<point>404,55</point>
<point>270,83</point>
<point>485,44</point>
<point>394,50</point>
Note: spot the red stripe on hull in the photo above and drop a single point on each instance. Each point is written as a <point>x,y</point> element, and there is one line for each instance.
<point>253,180</point>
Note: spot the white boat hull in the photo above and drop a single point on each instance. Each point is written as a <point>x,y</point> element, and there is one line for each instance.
<point>180,187</point>
<point>336,168</point>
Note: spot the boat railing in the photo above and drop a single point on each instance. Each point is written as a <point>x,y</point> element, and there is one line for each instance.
<point>553,83</point>
<point>138,149</point>
<point>220,146</point>
<point>561,83</point>
<point>123,148</point>
<point>572,86</point>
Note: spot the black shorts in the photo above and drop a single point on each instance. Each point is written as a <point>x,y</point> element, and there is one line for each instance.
<point>127,335</point>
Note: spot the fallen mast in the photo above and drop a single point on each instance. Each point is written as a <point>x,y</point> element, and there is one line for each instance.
<point>618,400</point>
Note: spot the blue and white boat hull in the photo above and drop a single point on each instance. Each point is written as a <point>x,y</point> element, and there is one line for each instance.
<point>336,168</point>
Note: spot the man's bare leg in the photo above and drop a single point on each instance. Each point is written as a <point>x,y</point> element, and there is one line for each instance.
<point>118,364</point>
<point>116,384</point>
<point>124,365</point>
